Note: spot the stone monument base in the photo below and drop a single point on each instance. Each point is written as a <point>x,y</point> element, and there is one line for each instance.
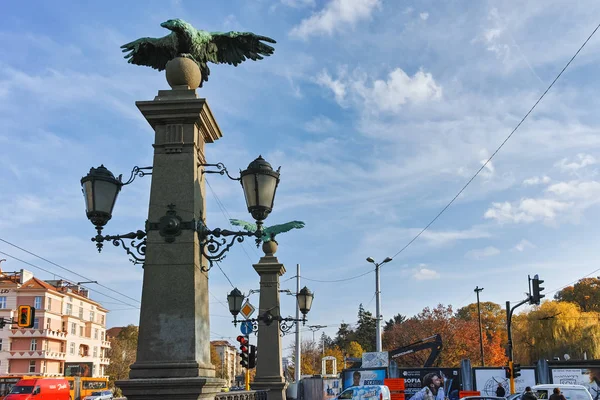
<point>171,388</point>
<point>274,386</point>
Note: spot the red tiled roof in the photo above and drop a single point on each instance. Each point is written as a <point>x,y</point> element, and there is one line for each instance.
<point>35,283</point>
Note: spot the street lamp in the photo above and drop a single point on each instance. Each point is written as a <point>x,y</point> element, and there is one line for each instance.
<point>259,182</point>
<point>378,300</point>
<point>304,298</point>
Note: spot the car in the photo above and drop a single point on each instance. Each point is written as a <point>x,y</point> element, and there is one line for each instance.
<point>571,392</point>
<point>100,395</point>
<point>366,392</point>
<point>514,396</point>
<point>483,398</point>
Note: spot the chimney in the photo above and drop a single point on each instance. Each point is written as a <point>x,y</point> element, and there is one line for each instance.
<point>25,276</point>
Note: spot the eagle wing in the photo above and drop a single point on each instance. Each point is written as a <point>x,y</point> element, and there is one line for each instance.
<point>152,52</point>
<point>248,226</point>
<point>235,47</point>
<point>276,229</point>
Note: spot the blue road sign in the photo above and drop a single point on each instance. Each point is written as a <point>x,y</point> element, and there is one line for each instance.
<point>246,328</point>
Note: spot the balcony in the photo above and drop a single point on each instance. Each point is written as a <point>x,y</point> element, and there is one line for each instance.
<point>38,333</point>
<point>105,361</point>
<point>106,344</point>
<point>45,354</point>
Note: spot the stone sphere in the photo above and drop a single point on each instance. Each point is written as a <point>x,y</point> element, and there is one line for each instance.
<point>182,71</point>
<point>269,247</point>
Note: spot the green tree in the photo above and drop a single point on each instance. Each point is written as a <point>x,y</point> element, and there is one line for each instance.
<point>344,335</point>
<point>585,293</point>
<point>365,330</point>
<point>398,319</point>
<point>122,354</point>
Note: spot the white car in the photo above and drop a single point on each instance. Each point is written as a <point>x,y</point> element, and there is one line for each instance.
<point>571,392</point>
<point>100,395</point>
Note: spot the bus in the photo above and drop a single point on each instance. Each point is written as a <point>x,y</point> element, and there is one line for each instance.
<point>79,386</point>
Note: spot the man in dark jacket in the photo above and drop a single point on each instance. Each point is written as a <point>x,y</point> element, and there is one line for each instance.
<point>500,392</point>
<point>528,395</point>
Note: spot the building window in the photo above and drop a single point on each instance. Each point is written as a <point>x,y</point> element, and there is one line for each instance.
<point>44,367</point>
<point>31,366</point>
<point>0,344</point>
<point>63,346</point>
<point>72,348</point>
<point>33,345</point>
<point>37,302</point>
<point>73,328</point>
<point>2,302</point>
<point>48,325</point>
<point>46,345</point>
<point>69,309</point>
<point>102,320</point>
<point>95,351</point>
<point>81,331</point>
<point>96,334</point>
<point>94,368</point>
<point>60,368</point>
<point>80,312</point>
<point>49,304</point>
<point>92,316</point>
<point>102,335</point>
<point>36,323</point>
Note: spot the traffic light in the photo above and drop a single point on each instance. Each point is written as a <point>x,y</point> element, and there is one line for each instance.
<point>243,340</point>
<point>507,372</point>
<point>252,357</point>
<point>537,290</point>
<point>516,370</point>
<point>25,316</point>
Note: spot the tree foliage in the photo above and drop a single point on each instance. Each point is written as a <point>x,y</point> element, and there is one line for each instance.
<point>585,293</point>
<point>122,354</point>
<point>217,362</point>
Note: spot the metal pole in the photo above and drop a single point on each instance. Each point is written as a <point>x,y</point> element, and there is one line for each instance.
<point>509,346</point>
<point>298,367</point>
<point>477,290</point>
<point>377,308</point>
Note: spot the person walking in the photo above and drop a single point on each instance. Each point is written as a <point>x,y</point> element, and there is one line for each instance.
<point>500,391</point>
<point>528,395</point>
<point>557,395</point>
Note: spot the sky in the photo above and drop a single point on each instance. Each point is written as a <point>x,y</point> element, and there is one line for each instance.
<point>378,113</point>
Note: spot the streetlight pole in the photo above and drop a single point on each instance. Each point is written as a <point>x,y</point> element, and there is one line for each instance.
<point>298,367</point>
<point>477,290</point>
<point>378,315</point>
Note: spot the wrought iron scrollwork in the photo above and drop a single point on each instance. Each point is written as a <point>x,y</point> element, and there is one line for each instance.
<point>135,172</point>
<point>214,243</point>
<point>221,170</point>
<point>284,324</point>
<point>137,246</point>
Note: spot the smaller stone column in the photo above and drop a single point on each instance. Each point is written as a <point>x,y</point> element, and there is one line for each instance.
<point>269,370</point>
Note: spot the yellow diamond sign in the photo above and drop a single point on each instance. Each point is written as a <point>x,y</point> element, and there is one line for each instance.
<point>247,310</point>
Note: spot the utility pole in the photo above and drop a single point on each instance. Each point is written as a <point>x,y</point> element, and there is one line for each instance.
<point>477,290</point>
<point>298,367</point>
<point>378,301</point>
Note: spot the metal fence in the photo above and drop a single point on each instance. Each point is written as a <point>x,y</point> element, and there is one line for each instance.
<point>242,395</point>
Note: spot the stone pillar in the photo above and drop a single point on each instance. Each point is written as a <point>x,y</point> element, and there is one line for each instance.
<point>173,355</point>
<point>269,371</point>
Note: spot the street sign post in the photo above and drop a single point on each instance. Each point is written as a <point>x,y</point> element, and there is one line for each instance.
<point>246,328</point>
<point>247,310</point>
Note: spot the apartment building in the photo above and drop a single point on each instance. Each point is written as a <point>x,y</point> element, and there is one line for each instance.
<point>69,334</point>
<point>230,360</point>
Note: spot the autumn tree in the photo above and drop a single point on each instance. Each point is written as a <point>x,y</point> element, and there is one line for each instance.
<point>398,319</point>
<point>122,354</point>
<point>354,349</point>
<point>585,293</point>
<point>217,362</point>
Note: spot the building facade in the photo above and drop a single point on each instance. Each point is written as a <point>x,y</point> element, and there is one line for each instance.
<point>69,334</point>
<point>230,361</point>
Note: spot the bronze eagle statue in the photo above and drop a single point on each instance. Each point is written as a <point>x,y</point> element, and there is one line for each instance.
<point>200,46</point>
<point>268,233</point>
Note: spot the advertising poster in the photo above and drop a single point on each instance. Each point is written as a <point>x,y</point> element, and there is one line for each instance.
<point>358,377</point>
<point>79,369</point>
<point>375,359</point>
<point>487,380</point>
<point>588,377</point>
<point>331,388</point>
<point>416,379</point>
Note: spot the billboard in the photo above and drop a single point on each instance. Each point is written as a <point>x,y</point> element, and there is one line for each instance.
<point>487,380</point>
<point>357,377</point>
<point>375,359</point>
<point>79,369</point>
<point>414,380</point>
<point>588,377</point>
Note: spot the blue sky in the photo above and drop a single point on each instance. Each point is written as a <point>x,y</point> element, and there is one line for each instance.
<point>377,111</point>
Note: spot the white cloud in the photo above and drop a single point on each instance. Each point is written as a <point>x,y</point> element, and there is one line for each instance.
<point>581,161</point>
<point>478,254</point>
<point>577,190</point>
<point>336,86</point>
<point>423,274</point>
<point>424,16</point>
<point>526,210</point>
<point>536,180</point>
<point>336,15</point>
<point>523,245</point>
<point>445,237</point>
<point>319,124</point>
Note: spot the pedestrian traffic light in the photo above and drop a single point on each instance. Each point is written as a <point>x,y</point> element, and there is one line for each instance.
<point>252,357</point>
<point>243,340</point>
<point>537,290</point>
<point>516,370</point>
<point>507,372</point>
<point>25,316</point>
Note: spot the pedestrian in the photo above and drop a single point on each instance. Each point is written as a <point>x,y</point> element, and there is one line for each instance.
<point>500,391</point>
<point>528,395</point>
<point>557,395</point>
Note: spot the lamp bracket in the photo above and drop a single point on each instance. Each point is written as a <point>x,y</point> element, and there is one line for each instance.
<point>137,250</point>
<point>284,324</point>
<point>136,171</point>
<point>170,225</point>
<point>221,170</point>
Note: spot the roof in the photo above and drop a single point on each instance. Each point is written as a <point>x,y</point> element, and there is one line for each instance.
<point>35,283</point>
<point>221,343</point>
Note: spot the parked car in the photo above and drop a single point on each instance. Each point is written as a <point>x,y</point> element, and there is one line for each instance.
<point>515,396</point>
<point>42,388</point>
<point>100,395</point>
<point>483,398</point>
<point>571,392</point>
<point>371,392</point>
